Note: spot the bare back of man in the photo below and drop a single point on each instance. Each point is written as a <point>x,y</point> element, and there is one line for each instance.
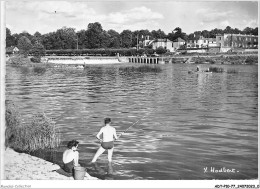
<point>108,133</point>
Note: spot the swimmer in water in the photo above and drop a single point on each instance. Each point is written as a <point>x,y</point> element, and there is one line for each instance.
<point>107,143</point>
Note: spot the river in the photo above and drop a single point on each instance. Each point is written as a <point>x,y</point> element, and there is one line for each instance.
<point>191,126</point>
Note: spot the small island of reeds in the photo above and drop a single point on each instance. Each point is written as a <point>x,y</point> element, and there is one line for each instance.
<point>221,70</point>
<point>142,69</point>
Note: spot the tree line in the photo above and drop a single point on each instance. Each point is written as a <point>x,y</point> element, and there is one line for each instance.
<point>95,37</point>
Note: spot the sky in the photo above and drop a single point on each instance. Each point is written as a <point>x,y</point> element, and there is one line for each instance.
<point>119,15</point>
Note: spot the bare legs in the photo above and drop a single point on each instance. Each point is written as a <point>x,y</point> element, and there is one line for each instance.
<point>109,154</point>
<point>98,153</point>
<point>101,151</point>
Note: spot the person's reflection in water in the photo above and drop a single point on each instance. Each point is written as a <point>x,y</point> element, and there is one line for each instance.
<point>110,170</point>
<point>106,175</point>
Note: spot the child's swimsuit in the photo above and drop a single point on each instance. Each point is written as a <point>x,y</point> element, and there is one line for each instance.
<point>68,167</point>
<point>107,145</point>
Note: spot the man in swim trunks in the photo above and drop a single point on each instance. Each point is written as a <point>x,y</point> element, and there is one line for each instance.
<point>107,143</point>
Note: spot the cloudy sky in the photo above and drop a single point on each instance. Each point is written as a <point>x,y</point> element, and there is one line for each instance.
<point>190,16</point>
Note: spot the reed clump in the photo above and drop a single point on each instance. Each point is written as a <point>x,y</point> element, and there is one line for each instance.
<point>143,69</point>
<point>251,60</point>
<point>18,60</point>
<point>216,69</point>
<point>38,133</point>
<point>232,71</point>
<point>39,69</point>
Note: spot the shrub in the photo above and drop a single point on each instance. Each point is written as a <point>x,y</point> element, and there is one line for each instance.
<point>24,45</point>
<point>39,133</point>
<point>251,60</point>
<point>160,50</point>
<point>143,69</point>
<point>216,69</point>
<point>37,50</point>
<point>39,70</point>
<point>35,59</point>
<point>19,60</point>
<point>232,71</point>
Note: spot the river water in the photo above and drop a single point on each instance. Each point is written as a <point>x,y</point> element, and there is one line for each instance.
<point>190,125</point>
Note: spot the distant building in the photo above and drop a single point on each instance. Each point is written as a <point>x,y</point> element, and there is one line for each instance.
<point>177,43</point>
<point>240,41</point>
<point>165,43</point>
<point>220,40</point>
<point>212,42</point>
<point>200,43</point>
<point>147,41</point>
<point>12,50</point>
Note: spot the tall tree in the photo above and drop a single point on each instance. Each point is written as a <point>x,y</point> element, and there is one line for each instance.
<point>66,38</point>
<point>228,29</point>
<point>48,40</point>
<point>114,39</point>
<point>10,40</point>
<point>248,31</point>
<point>126,38</point>
<point>94,35</point>
<point>82,39</point>
<point>176,33</point>
<point>159,34</point>
<point>255,31</point>
<point>205,33</point>
<point>37,38</point>
<point>24,45</point>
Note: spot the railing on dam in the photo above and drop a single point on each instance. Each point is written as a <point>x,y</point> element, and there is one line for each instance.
<point>146,60</point>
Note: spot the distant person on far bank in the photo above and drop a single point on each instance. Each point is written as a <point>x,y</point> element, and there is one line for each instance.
<point>197,69</point>
<point>107,142</point>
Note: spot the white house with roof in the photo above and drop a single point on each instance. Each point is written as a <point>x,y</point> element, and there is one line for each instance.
<point>212,42</point>
<point>177,43</point>
<point>12,50</point>
<point>165,43</point>
<point>202,43</point>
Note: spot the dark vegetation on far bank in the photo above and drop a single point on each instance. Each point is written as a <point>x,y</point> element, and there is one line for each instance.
<point>222,59</point>
<point>142,69</point>
<point>39,132</point>
<point>27,64</point>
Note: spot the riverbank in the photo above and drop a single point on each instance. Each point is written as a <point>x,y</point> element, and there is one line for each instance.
<point>214,59</point>
<point>178,59</point>
<point>83,60</point>
<point>21,166</point>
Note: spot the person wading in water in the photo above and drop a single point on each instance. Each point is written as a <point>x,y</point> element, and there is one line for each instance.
<point>107,143</point>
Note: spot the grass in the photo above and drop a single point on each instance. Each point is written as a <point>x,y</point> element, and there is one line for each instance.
<point>39,133</point>
<point>143,69</point>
